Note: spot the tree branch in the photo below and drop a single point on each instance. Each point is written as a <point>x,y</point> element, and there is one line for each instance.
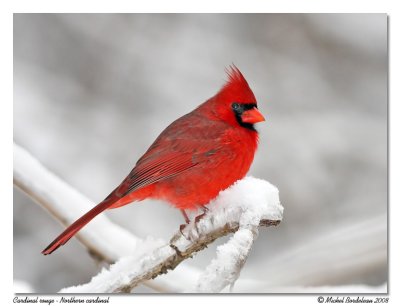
<point>173,255</point>
<point>231,212</point>
<point>66,204</point>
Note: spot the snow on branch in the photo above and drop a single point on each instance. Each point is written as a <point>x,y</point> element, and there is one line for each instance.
<point>66,204</point>
<point>240,209</point>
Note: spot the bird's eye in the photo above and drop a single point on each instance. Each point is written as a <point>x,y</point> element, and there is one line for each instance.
<point>235,106</point>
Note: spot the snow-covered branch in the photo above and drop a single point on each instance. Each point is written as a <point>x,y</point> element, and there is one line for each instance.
<point>242,208</point>
<point>66,204</point>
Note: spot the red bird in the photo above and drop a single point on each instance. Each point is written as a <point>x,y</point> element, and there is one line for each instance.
<point>193,159</point>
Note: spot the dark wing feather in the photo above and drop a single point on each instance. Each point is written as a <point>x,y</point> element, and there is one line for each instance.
<point>155,170</point>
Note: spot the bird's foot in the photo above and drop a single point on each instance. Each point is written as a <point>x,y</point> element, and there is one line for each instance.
<point>190,235</point>
<point>199,217</point>
<point>181,228</point>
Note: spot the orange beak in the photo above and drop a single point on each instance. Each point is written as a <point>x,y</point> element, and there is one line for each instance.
<point>252,116</point>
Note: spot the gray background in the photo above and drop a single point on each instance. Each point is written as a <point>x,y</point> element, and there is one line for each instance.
<point>91,93</point>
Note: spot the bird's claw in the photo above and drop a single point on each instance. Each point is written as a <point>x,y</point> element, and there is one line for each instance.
<point>188,235</point>
<point>196,220</point>
<point>181,228</point>
<point>199,217</point>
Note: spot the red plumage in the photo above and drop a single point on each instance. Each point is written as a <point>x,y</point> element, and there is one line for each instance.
<point>193,159</point>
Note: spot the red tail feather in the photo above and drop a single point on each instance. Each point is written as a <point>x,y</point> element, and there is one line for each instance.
<point>77,225</point>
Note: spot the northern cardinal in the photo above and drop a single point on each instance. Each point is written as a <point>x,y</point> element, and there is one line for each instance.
<point>193,159</point>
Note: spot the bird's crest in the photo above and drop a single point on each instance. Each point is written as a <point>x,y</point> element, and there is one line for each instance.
<point>236,87</point>
<point>234,75</point>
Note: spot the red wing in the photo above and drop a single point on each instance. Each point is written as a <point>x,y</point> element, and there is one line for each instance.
<point>186,143</point>
<point>155,170</point>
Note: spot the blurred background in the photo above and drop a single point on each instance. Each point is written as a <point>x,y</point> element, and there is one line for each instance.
<point>93,91</point>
